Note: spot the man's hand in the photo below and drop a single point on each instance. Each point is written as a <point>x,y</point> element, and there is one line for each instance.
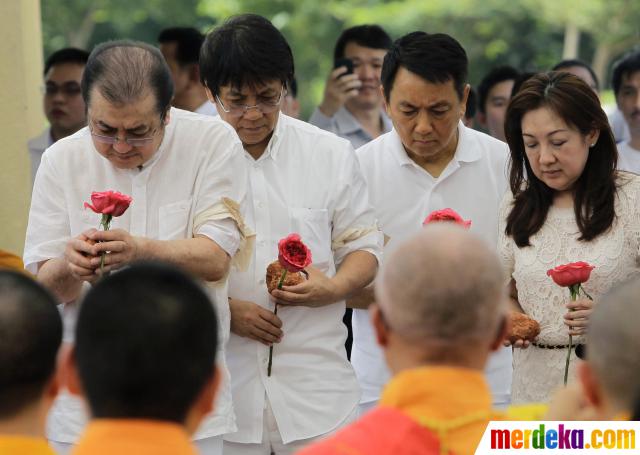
<point>318,290</point>
<point>577,319</point>
<point>340,87</point>
<point>122,249</point>
<point>252,321</point>
<point>79,254</point>
<point>522,344</point>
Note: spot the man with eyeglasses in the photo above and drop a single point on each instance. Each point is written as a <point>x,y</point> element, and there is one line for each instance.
<point>63,103</point>
<point>304,180</point>
<point>186,176</point>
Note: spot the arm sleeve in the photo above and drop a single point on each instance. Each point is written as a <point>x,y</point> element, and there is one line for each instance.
<point>48,229</point>
<point>354,223</point>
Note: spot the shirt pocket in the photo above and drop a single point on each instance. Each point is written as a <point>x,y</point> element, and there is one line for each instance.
<point>173,220</point>
<point>315,230</point>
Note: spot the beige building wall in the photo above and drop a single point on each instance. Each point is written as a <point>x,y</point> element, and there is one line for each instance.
<point>21,115</point>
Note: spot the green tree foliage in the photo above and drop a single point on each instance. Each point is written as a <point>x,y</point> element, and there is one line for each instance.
<point>527,34</point>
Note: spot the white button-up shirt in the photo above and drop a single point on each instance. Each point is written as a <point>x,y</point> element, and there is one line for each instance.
<point>403,194</point>
<point>307,181</point>
<point>198,162</point>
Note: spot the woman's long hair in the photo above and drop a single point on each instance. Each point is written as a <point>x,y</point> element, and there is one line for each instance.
<point>594,192</point>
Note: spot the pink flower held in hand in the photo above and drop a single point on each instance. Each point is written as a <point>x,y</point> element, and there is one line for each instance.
<point>293,254</point>
<point>446,215</point>
<point>568,275</point>
<point>109,202</point>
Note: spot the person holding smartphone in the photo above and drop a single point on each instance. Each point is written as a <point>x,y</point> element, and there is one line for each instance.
<point>352,103</point>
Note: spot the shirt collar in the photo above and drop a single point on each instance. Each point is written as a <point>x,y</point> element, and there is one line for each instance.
<point>273,147</point>
<point>348,124</point>
<point>161,148</point>
<point>467,150</point>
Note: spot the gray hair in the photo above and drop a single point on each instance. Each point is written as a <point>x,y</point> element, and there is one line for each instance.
<point>443,286</point>
<point>126,71</point>
<point>613,343</point>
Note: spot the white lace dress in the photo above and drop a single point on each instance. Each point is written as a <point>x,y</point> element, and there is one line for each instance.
<point>538,372</point>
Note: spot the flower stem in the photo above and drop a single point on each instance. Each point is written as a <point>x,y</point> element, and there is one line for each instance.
<point>105,223</point>
<point>574,290</point>
<point>275,311</point>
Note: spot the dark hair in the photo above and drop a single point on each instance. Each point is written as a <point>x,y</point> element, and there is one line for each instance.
<point>245,50</point>
<point>627,65</point>
<point>66,55</point>
<point>472,104</point>
<point>521,79</point>
<point>578,106</point>
<point>493,77</point>
<point>436,58</point>
<point>371,36</point>
<point>570,63</point>
<point>125,71</point>
<point>30,336</point>
<point>145,346</point>
<point>188,42</point>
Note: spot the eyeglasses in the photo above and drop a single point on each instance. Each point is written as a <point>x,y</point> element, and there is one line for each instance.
<point>68,89</point>
<point>266,105</point>
<point>132,141</point>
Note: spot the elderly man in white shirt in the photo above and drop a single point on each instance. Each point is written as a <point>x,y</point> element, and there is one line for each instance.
<point>303,180</point>
<point>429,161</point>
<point>186,175</point>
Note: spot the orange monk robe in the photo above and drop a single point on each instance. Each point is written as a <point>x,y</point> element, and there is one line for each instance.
<point>383,431</point>
<point>10,261</point>
<point>24,445</point>
<point>454,404</point>
<point>133,437</point>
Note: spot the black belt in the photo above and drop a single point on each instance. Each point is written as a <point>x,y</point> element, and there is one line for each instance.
<point>579,348</point>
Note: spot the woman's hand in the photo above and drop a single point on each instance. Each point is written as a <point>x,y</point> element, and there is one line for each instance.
<point>577,319</point>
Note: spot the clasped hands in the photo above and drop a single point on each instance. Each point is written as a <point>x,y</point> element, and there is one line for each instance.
<point>83,252</point>
<point>253,321</point>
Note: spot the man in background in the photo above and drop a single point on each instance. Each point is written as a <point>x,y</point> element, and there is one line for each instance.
<point>352,103</point>
<point>181,49</point>
<point>63,103</point>
<point>626,87</point>
<point>494,93</point>
<point>30,336</point>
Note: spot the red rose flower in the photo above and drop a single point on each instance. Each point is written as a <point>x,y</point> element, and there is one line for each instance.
<point>446,215</point>
<point>109,202</point>
<point>293,254</point>
<point>568,275</point>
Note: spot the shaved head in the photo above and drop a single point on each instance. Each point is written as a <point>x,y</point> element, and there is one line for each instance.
<point>613,342</point>
<point>443,287</point>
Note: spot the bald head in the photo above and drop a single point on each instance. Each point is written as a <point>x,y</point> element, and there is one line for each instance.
<point>444,286</point>
<point>613,344</point>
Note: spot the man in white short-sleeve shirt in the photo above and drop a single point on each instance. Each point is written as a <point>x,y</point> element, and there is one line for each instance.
<point>429,161</point>
<point>185,174</point>
<point>626,86</point>
<point>302,180</point>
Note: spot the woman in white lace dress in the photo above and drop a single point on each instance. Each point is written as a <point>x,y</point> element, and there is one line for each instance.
<point>567,203</point>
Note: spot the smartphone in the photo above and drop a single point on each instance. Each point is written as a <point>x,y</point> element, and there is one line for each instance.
<point>344,62</point>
